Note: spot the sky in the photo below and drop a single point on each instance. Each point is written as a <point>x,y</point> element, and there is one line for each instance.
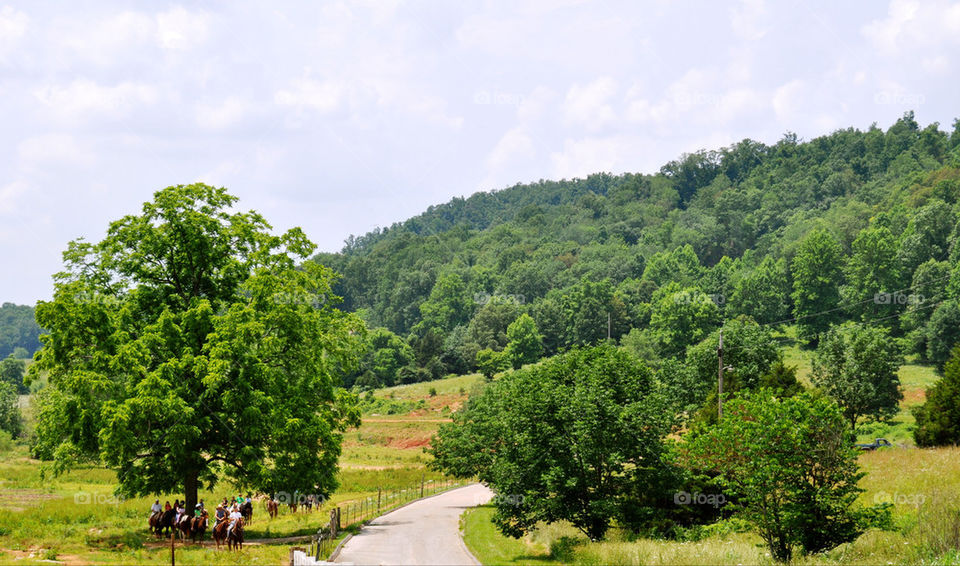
<point>339,117</point>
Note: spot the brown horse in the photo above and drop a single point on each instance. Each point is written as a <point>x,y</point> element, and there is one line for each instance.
<point>235,537</point>
<point>220,531</point>
<point>273,508</point>
<point>199,527</point>
<point>160,521</point>
<point>247,511</point>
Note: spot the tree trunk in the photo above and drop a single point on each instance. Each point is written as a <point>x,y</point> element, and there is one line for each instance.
<point>190,491</point>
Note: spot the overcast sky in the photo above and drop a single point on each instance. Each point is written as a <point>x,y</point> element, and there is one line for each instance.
<point>340,117</point>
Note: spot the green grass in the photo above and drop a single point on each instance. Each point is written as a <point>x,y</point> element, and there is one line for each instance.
<point>458,385</point>
<point>491,547</point>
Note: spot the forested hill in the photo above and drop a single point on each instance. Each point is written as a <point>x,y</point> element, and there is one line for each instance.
<point>726,222</point>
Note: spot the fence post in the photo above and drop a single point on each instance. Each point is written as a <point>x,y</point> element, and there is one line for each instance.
<point>378,501</point>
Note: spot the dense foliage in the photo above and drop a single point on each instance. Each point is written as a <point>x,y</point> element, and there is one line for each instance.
<point>790,465</point>
<point>564,440</point>
<point>188,347</point>
<point>938,419</point>
<point>853,226</point>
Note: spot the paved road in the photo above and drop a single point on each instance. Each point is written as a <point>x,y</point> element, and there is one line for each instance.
<point>424,532</point>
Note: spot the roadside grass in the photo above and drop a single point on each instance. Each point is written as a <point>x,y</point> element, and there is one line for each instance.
<point>922,484</point>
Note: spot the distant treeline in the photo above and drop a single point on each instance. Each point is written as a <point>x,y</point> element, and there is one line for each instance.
<point>18,329</point>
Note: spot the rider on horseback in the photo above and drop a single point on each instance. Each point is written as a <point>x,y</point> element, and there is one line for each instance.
<point>155,508</point>
<point>234,517</point>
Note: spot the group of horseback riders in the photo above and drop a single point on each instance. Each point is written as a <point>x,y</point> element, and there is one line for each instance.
<point>230,516</point>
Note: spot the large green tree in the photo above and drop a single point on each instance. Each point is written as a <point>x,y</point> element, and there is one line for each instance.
<point>187,347</point>
<point>564,440</point>
<point>748,349</point>
<point>817,274</point>
<point>790,467</point>
<point>681,317</point>
<point>858,367</point>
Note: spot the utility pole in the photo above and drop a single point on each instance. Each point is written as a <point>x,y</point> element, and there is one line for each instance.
<point>720,378</point>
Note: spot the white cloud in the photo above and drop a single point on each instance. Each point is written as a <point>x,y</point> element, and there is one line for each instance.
<point>747,19</point>
<point>589,105</point>
<point>84,97</point>
<point>321,96</point>
<point>515,144</point>
<point>54,149</point>
<point>911,23</point>
<point>13,26</point>
<point>179,28</point>
<point>581,157</point>
<point>9,196</point>
<point>104,40</point>
<point>223,115</point>
<point>787,99</point>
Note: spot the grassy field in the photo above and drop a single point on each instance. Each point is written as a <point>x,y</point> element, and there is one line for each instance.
<point>75,519</point>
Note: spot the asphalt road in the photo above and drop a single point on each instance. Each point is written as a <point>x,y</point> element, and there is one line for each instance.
<point>425,532</point>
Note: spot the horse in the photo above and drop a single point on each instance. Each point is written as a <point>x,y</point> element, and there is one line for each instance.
<point>235,538</point>
<point>273,508</point>
<point>184,526</point>
<point>198,527</point>
<point>247,511</point>
<point>220,531</point>
<point>160,521</point>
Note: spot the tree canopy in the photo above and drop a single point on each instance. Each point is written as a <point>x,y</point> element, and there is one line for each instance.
<point>188,347</point>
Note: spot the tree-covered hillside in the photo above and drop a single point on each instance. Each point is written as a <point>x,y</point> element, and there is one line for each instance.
<point>855,225</point>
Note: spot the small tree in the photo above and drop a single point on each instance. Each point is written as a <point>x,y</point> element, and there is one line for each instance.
<point>490,362</point>
<point>10,418</point>
<point>858,367</point>
<point>938,419</point>
<point>790,466</point>
<point>11,371</point>
<point>525,345</point>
